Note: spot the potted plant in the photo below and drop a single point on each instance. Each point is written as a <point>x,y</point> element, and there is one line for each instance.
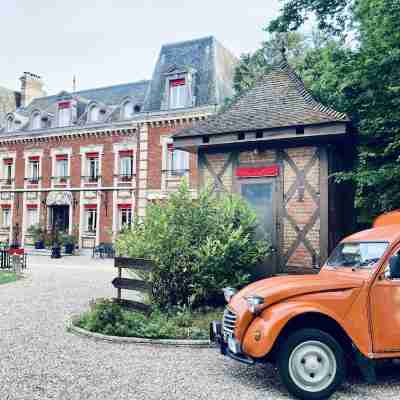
<point>37,233</point>
<point>69,242</point>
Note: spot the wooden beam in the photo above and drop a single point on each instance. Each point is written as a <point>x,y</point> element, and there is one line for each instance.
<point>131,284</point>
<point>139,264</point>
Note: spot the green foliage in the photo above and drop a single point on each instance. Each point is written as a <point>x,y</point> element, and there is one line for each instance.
<point>198,246</point>
<point>254,66</point>
<point>7,277</point>
<point>362,80</point>
<point>37,232</point>
<point>69,239</point>
<point>111,319</point>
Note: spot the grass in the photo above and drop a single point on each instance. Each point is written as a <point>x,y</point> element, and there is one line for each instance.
<point>111,319</point>
<point>7,277</point>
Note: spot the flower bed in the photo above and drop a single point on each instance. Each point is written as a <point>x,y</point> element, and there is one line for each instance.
<point>111,319</point>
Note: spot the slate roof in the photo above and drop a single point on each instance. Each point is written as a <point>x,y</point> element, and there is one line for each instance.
<point>110,95</point>
<point>212,64</point>
<point>209,65</point>
<point>279,99</point>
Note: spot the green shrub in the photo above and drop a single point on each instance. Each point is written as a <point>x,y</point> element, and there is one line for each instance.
<point>198,246</point>
<point>111,319</point>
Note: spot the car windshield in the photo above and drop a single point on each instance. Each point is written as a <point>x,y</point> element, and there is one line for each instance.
<point>357,254</point>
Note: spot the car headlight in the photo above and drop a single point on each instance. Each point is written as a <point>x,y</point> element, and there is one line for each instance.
<point>254,302</point>
<point>229,293</point>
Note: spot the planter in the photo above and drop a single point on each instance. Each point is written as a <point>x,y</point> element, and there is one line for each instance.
<point>56,252</point>
<point>69,248</point>
<point>39,245</point>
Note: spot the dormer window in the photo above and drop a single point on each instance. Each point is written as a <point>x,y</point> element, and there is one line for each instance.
<point>177,93</point>
<point>127,110</point>
<point>9,124</point>
<point>36,122</point>
<point>64,113</point>
<point>94,114</point>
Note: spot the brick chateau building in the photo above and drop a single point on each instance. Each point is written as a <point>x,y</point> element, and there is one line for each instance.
<point>88,162</point>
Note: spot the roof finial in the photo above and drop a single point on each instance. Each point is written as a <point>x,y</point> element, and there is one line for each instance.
<point>74,84</point>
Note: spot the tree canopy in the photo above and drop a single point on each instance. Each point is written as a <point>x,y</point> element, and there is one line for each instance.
<point>361,78</point>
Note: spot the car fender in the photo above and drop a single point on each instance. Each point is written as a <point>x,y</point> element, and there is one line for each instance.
<point>265,329</point>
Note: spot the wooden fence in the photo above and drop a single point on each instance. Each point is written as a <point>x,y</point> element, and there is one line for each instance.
<point>139,285</point>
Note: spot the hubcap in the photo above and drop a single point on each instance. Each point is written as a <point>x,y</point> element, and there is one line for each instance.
<point>312,366</point>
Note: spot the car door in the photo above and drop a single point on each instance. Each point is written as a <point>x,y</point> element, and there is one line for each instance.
<point>385,311</point>
<point>260,194</point>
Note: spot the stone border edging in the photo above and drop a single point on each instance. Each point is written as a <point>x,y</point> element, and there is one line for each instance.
<point>119,339</point>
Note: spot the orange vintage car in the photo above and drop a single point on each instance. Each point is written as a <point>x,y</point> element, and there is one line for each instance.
<point>312,326</point>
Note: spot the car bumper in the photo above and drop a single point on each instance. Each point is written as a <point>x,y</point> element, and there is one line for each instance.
<point>217,337</point>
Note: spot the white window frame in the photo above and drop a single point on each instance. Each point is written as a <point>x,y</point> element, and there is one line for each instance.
<point>6,217</point>
<point>125,113</point>
<point>62,168</point>
<point>94,113</point>
<point>36,122</point>
<point>178,162</point>
<point>9,124</point>
<point>8,172</point>
<point>128,214</point>
<point>91,220</point>
<point>64,116</point>
<point>93,164</point>
<point>126,166</point>
<point>178,95</point>
<point>34,170</point>
<point>32,219</point>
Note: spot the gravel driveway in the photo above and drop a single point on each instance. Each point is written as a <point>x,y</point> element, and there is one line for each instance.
<point>40,360</point>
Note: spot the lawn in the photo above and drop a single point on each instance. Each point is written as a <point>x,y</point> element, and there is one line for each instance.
<point>7,277</point>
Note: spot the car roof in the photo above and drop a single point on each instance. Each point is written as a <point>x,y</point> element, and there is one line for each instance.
<point>387,233</point>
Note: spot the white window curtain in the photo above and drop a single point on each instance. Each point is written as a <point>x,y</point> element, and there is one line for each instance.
<point>128,109</point>
<point>62,168</point>
<point>36,121</point>
<point>126,166</point>
<point>64,117</point>
<point>93,168</point>
<point>94,114</point>
<point>10,124</point>
<point>6,217</point>
<point>178,93</point>
<point>32,217</point>
<point>34,170</point>
<point>179,161</point>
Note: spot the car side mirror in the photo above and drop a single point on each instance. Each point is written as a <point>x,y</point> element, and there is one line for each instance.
<point>394,265</point>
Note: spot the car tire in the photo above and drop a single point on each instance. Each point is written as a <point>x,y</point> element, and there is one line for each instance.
<point>311,363</point>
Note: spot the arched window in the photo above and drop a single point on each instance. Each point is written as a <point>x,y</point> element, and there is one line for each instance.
<point>127,110</point>
<point>36,121</point>
<point>94,114</point>
<point>9,124</point>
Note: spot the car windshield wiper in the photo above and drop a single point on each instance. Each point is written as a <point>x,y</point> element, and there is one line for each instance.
<point>368,262</point>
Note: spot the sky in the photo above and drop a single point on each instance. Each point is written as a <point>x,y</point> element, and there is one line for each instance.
<point>106,42</point>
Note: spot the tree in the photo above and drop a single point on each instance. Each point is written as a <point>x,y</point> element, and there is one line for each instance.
<point>363,81</point>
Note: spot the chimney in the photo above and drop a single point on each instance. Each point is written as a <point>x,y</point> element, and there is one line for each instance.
<point>31,88</point>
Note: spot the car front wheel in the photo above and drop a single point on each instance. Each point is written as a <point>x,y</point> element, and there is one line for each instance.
<point>311,364</point>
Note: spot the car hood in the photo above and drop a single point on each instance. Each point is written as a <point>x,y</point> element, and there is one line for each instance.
<point>280,288</point>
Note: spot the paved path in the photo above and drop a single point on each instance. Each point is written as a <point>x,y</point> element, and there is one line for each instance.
<point>40,360</point>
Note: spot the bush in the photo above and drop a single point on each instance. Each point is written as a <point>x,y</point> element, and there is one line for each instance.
<point>111,319</point>
<point>198,246</point>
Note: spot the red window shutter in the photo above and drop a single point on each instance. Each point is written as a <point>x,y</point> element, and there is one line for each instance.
<point>126,153</point>
<point>64,104</point>
<point>90,206</point>
<point>8,161</point>
<point>60,157</point>
<point>124,206</point>
<point>170,147</point>
<point>92,155</point>
<point>177,82</point>
<point>255,172</point>
<point>6,206</point>
<point>31,206</point>
<point>34,158</point>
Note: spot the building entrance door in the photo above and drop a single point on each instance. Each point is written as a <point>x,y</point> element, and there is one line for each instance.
<point>59,218</point>
<point>260,193</point>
